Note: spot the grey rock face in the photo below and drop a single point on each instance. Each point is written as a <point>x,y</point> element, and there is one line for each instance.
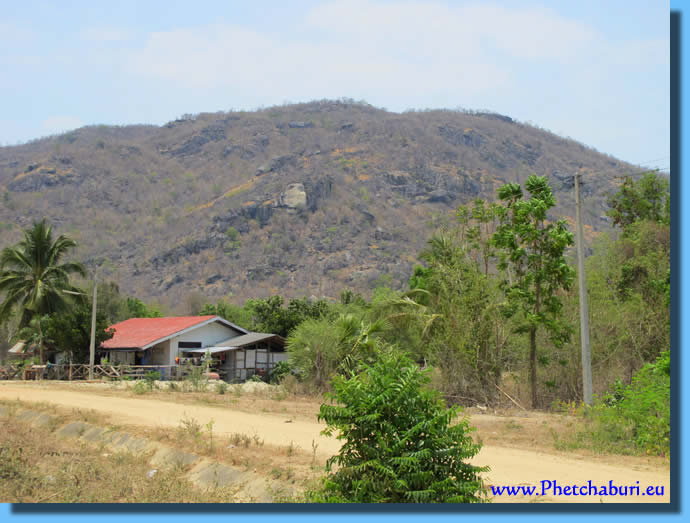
<point>293,197</point>
<point>39,180</point>
<point>317,192</point>
<point>455,136</point>
<point>441,195</point>
<point>300,125</point>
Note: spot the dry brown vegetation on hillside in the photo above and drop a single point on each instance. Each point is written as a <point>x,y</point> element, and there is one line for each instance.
<point>298,200</point>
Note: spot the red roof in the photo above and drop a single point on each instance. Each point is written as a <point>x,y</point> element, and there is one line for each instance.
<point>140,332</point>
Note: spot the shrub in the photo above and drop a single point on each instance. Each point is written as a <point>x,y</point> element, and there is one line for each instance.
<point>194,378</point>
<point>221,387</point>
<point>399,445</point>
<point>140,387</point>
<point>282,369</point>
<point>151,377</point>
<point>639,414</point>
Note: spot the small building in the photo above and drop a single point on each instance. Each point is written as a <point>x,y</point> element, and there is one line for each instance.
<point>169,342</point>
<point>21,350</point>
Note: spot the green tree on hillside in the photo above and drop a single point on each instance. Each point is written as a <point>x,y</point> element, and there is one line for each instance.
<point>647,199</point>
<point>532,251</point>
<point>32,277</point>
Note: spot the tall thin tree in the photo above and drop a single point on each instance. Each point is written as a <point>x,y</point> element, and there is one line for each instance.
<point>533,247</point>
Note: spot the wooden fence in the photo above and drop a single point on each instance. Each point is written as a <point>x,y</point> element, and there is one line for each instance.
<point>81,372</point>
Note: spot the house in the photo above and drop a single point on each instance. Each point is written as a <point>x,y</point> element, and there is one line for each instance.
<point>20,350</point>
<point>168,342</point>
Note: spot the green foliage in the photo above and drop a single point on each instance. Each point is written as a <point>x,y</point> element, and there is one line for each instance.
<point>647,199</point>
<point>465,335</point>
<point>399,444</point>
<point>281,369</point>
<point>638,415</point>
<point>269,315</point>
<point>234,240</point>
<point>628,281</point>
<point>194,378</point>
<point>147,384</point>
<point>319,348</point>
<point>138,309</point>
<point>477,226</point>
<point>152,376</point>
<point>70,330</point>
<point>349,297</point>
<point>32,279</point>
<point>241,316</point>
<point>531,249</point>
<point>140,387</point>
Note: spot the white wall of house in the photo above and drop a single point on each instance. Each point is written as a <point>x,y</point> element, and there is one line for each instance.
<point>209,335</point>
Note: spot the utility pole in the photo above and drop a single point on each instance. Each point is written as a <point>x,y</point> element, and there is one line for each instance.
<point>92,344</point>
<point>584,313</point>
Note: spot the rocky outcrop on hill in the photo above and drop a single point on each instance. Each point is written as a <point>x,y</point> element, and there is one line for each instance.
<point>298,200</point>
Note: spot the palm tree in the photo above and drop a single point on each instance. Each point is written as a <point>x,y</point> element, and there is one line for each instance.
<point>32,278</point>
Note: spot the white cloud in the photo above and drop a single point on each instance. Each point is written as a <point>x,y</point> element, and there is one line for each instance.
<point>266,65</point>
<point>459,31</point>
<point>394,50</point>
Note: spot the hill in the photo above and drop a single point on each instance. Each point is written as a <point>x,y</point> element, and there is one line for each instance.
<point>304,199</point>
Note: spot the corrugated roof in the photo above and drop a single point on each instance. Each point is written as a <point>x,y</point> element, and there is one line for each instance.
<point>144,332</point>
<point>210,350</point>
<point>248,339</point>
<point>17,348</point>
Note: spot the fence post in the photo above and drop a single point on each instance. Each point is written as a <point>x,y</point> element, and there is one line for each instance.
<point>70,371</point>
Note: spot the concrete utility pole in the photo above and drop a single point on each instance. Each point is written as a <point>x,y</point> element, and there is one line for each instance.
<point>584,313</point>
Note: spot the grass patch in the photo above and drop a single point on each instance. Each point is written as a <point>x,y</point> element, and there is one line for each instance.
<point>36,466</point>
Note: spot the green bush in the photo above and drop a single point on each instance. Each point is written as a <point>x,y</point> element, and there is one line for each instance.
<point>637,417</point>
<point>194,378</point>
<point>152,376</point>
<point>400,446</point>
<point>281,369</point>
<point>140,387</point>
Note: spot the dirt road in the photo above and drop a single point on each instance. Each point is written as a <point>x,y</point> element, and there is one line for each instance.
<point>509,466</point>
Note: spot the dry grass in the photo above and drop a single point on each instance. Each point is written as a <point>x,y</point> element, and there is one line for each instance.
<point>544,431</point>
<point>36,466</point>
<point>289,463</point>
<point>249,397</point>
<point>513,428</point>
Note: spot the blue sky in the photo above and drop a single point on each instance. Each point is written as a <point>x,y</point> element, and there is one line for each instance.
<point>595,71</point>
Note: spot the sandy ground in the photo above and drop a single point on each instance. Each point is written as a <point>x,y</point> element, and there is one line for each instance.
<point>509,466</point>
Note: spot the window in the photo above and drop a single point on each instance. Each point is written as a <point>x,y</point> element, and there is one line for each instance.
<point>188,344</point>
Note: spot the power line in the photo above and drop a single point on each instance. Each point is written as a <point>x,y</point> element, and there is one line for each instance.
<point>618,175</point>
<point>650,161</point>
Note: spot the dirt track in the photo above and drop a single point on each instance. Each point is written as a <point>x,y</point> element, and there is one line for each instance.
<point>509,466</point>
